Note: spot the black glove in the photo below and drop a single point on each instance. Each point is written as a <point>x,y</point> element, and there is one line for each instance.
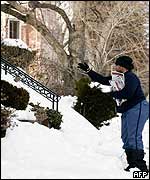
<point>84,67</point>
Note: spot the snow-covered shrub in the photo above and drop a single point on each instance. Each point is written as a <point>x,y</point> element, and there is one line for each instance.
<point>17,55</point>
<point>46,116</point>
<point>40,114</point>
<point>17,98</point>
<point>54,118</point>
<point>5,120</point>
<point>94,105</point>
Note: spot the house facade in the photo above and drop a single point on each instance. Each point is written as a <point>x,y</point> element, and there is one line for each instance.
<point>41,69</point>
<point>13,28</point>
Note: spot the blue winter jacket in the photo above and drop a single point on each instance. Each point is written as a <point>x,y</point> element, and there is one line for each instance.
<point>132,91</point>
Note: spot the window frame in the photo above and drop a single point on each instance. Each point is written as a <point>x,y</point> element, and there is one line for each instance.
<point>18,27</point>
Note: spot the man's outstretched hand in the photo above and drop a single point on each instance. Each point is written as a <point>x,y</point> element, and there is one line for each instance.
<point>84,67</point>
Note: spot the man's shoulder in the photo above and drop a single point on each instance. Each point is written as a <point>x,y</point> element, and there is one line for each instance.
<point>131,75</point>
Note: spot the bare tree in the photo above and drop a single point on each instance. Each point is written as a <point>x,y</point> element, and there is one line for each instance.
<point>28,15</point>
<point>115,28</point>
<point>99,32</point>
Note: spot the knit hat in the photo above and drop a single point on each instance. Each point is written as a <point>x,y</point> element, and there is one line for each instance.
<point>125,61</point>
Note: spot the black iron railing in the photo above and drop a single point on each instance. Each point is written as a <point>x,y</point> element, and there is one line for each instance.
<point>31,82</point>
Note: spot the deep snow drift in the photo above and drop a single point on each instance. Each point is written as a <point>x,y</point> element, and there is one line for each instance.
<point>77,151</point>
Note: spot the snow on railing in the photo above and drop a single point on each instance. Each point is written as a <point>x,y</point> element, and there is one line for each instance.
<point>31,82</point>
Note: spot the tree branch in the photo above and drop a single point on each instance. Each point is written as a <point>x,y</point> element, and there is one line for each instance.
<point>124,52</point>
<point>18,7</point>
<point>37,4</point>
<point>45,32</point>
<point>7,8</point>
<point>39,26</point>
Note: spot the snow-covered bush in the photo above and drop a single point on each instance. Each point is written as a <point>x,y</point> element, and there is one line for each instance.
<point>46,116</point>
<point>5,120</point>
<point>14,97</point>
<point>94,105</point>
<point>40,114</point>
<point>54,118</point>
<point>17,53</point>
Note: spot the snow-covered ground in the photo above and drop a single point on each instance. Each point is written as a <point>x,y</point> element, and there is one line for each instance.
<point>77,151</point>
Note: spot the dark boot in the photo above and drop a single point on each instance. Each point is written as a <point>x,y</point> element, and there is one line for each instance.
<point>131,159</point>
<point>140,163</point>
<point>135,159</point>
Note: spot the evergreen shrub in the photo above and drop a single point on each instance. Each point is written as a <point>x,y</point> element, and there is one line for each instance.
<point>54,118</point>
<point>40,114</point>
<point>46,116</point>
<point>5,120</point>
<point>95,106</point>
<point>17,98</point>
<point>18,56</point>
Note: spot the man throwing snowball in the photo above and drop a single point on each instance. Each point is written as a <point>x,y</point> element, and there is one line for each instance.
<point>133,106</point>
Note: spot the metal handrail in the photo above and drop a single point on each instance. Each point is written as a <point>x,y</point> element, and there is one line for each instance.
<point>31,82</point>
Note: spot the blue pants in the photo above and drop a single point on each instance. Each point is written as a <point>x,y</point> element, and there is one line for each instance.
<point>132,124</point>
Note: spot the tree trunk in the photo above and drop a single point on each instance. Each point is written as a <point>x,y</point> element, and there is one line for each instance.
<point>77,46</point>
<point>69,78</point>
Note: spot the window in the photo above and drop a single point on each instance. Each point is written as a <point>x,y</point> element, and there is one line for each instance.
<point>13,29</point>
